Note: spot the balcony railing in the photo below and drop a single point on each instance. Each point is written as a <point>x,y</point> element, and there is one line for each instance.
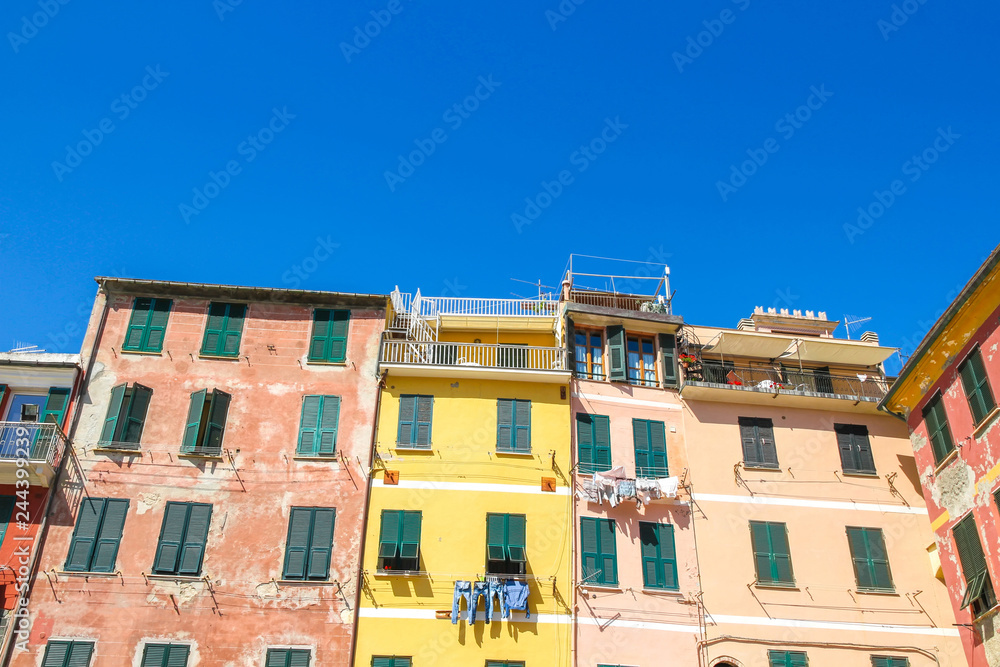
<point>637,302</point>
<point>473,354</point>
<point>869,387</point>
<point>31,441</point>
<point>454,305</point>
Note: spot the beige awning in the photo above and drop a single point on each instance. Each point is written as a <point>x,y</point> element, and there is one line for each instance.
<point>845,352</point>
<point>749,344</point>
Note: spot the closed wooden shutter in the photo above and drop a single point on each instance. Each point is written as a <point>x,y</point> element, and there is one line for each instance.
<point>768,449</point>
<point>424,413</point>
<point>389,533</point>
<point>496,538</point>
<point>320,339</point>
<point>938,429</point>
<point>297,544</point>
<point>586,456</point>
<point>195,537</point>
<point>298,657</point>
<point>276,657</point>
<point>658,449</point>
<point>522,426</point>
<point>79,654</point>
<point>154,655</point>
<point>328,423</point>
<point>649,541</point>
<point>177,655</point>
<point>56,653</point>
<point>55,406</point>
<point>137,323</point>
<point>505,424</point>
<point>516,537</point>
<point>640,439</point>
<point>110,535</point>
<point>84,540</point>
<point>602,442</point>
<point>321,544</point>
<point>339,326</point>
<point>618,371</point>
<point>215,329</point>
<point>570,342</point>
<point>168,550</point>
<point>308,425</point>
<point>410,535</point>
<point>668,353</point>
<point>234,329</point>
<point>407,419</point>
<point>589,551</point>
<point>608,550</point>
<point>156,330</point>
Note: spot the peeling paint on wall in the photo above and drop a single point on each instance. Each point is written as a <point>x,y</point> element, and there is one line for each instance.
<point>918,441</point>
<point>954,488</point>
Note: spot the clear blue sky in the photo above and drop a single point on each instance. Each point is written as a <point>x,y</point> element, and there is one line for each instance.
<point>677,117</point>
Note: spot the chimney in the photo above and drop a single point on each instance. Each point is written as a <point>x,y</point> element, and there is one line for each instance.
<point>745,324</point>
<point>869,337</point>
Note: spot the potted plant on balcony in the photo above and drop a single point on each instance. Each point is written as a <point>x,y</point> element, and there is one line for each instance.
<point>687,360</point>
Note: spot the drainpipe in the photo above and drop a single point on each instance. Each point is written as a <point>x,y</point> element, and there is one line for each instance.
<point>81,381</point>
<point>572,533</point>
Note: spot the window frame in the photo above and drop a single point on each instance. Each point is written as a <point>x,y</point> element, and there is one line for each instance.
<point>588,354</point>
<point>772,555</point>
<point>514,426</point>
<point>93,549</point>
<point>147,326</point>
<point>983,388</point>
<point>169,648</point>
<point>642,369</point>
<point>321,428</point>
<point>70,644</point>
<point>658,559</point>
<point>890,661</point>
<point>310,549</point>
<point>414,425</point>
<point>393,661</point>
<point>787,658</point>
<point>855,432</point>
<point>511,565</point>
<point>938,428</point>
<point>183,541</point>
<point>224,331</point>
<point>758,425</point>
<point>594,427</point>
<point>652,470</point>
<point>399,541</point>
<point>329,339</point>
<point>290,652</point>
<point>870,562</point>
<point>600,554</point>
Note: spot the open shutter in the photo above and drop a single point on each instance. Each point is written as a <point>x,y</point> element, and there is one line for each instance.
<point>81,547</point>
<point>55,406</point>
<point>234,329</point>
<point>586,457</point>
<point>388,541</point>
<point>780,553</point>
<point>570,343</point>
<point>407,418</point>
<point>135,414</point>
<point>409,546</point>
<point>328,420</point>
<point>668,353</point>
<point>320,335</point>
<point>609,552</point>
<point>985,393</point>
<point>424,412</point>
<point>649,541</point>
<point>297,544</point>
<point>589,550</point>
<point>110,431</point>
<point>339,325</point>
<point>168,550</point>
<point>522,426</point>
<point>970,548</point>
<point>110,535</point>
<point>640,438</point>
<point>79,654</point>
<point>308,425</point>
<point>658,448</point>
<point>193,551</point>
<point>496,543</point>
<point>616,350</point>
<point>977,390</point>
<point>505,424</point>
<point>137,324</point>
<point>216,427</point>
<point>6,511</point>
<point>321,545</point>
<point>177,655</point>
<point>195,410</point>
<point>602,442</point>
<point>516,537</point>
<point>214,329</point>
<point>157,328</point>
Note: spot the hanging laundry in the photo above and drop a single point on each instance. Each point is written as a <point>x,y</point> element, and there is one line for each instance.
<point>463,589</point>
<point>480,589</point>
<point>605,482</point>
<point>625,489</point>
<point>517,597</point>
<point>647,490</point>
<point>668,486</point>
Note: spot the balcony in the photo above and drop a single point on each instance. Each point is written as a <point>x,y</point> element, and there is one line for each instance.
<point>38,446</point>
<point>714,381</point>
<point>636,302</point>
<point>474,360</point>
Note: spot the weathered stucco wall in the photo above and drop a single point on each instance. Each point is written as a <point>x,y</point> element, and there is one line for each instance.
<point>239,609</point>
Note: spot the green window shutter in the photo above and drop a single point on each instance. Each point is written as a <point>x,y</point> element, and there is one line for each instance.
<point>938,429</point>
<point>668,556</point>
<point>649,541</point>
<point>109,535</point>
<point>424,414</point>
<point>977,387</point>
<point>217,412</point>
<point>782,558</point>
<point>319,341</point>
<point>177,655</point>
<point>6,510</point>
<point>154,655</point>
<point>234,329</point>
<point>309,425</point>
<point>516,537</point>
<point>750,442</point>
<point>616,350</point>
<point>407,419</point>
<point>640,440</point>
<point>55,406</point>
<point>879,558</point>
<point>388,542</point>
<point>276,657</point>
<point>864,448</point>
<point>3,395</point>
<point>586,454</point>
<point>570,341</point>
<point>168,550</point>
<point>298,657</point>
<point>135,414</point>
<point>589,551</point>
<point>215,329</point>
<point>650,440</point>
<point>768,450</point>
<point>970,548</point>
<point>409,540</point>
<point>772,559</point>
<point>888,661</point>
<point>79,654</point>
<point>328,422</point>
<point>339,326</point>
<point>668,352</point>
<point>522,426</point>
<point>505,424</point>
<point>195,410</point>
<point>84,540</point>
<point>110,432</point>
<point>156,329</point>
<point>602,442</point>
<point>321,544</point>
<point>297,544</point>
<point>658,449</point>
<point>135,335</point>
<point>608,550</point>
<point>56,653</point>
<point>496,538</point>
<point>859,556</point>
<point>855,448</point>
<point>195,537</point>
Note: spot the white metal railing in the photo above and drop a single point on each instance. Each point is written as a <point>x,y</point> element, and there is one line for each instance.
<point>31,441</point>
<point>404,304</point>
<point>473,354</point>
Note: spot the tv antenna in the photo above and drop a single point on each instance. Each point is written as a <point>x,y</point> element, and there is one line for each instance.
<point>538,284</point>
<point>850,321</point>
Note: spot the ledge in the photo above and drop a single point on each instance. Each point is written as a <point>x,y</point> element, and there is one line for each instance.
<point>201,457</point>
<point>760,468</point>
<point>235,357</point>
<point>142,353</point>
<point>946,461</point>
<point>858,473</point>
<point>310,362</point>
<point>175,577</point>
<point>777,587</point>
<point>137,451</point>
<point>992,611</point>
<point>103,575</point>
<point>986,423</point>
<point>886,592</point>
<point>331,458</point>
<point>600,588</point>
<point>401,574</point>
<point>663,591</point>
<point>305,582</point>
<point>521,454</point>
<point>408,450</point>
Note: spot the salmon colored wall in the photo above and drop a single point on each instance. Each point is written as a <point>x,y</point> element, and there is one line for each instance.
<point>233,617</point>
<point>20,538</point>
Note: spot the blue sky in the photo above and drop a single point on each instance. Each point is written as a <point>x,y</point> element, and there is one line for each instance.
<point>279,145</point>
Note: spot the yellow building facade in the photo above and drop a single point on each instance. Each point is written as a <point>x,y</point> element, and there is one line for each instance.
<point>470,482</point>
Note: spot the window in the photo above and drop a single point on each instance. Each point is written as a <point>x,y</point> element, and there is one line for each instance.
<point>309,546</point>
<point>318,427</point>
<point>147,326</point>
<point>379,661</point>
<point>979,588</point>
<point>504,663</point>
<point>98,532</point>
<point>329,335</point>
<point>513,425</point>
<point>399,541</point>
<point>415,414</point>
<point>617,370</point>
<point>181,547</point>
<point>889,661</point>
<point>770,552</point>
<point>787,659</point>
<point>757,435</point>
<point>641,360</point>
<point>288,657</point>
<point>977,386</point>
<point>936,421</point>
<point>659,557</point>
<point>206,423</point>
<point>855,449</point>
<point>55,406</point>
<point>67,654</point>
<point>650,441</point>
<point>126,415</point>
<point>593,442</point>
<point>505,544</point>
<point>165,655</point>
<point>599,552</point>
<point>589,351</point>
<point>668,352</point>
<point>224,329</point>
<point>871,562</point>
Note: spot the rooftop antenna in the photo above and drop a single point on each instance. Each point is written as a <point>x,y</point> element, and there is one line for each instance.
<point>538,284</point>
<point>853,321</point>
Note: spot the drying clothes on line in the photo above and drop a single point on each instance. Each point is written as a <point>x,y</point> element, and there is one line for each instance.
<point>516,593</point>
<point>605,483</point>
<point>511,594</point>
<point>481,589</point>
<point>463,590</point>
<point>625,490</point>
<point>653,489</point>
<point>668,486</point>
